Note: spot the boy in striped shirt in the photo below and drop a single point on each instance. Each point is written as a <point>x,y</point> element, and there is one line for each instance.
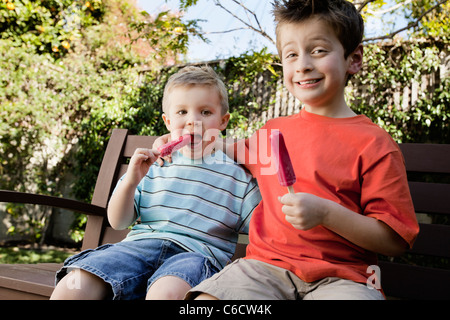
<point>191,210</point>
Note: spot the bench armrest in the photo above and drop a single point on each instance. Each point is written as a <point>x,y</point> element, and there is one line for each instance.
<point>69,204</point>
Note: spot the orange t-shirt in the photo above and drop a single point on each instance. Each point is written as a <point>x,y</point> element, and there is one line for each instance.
<point>351,161</point>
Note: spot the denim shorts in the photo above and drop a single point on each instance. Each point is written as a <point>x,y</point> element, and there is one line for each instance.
<point>131,267</point>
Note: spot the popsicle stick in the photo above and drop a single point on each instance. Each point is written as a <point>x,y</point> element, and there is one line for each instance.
<point>291,189</point>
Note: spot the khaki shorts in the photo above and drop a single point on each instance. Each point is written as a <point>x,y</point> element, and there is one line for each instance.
<point>246,279</point>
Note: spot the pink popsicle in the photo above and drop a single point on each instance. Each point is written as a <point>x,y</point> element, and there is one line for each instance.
<point>280,156</point>
<point>175,145</point>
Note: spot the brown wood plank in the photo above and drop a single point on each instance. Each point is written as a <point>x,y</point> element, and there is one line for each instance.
<point>241,249</point>
<point>38,199</point>
<point>413,282</point>
<point>134,142</point>
<point>434,240</point>
<point>108,169</point>
<point>122,171</point>
<point>422,157</point>
<point>430,197</point>
<point>93,232</point>
<point>28,273</point>
<point>53,267</point>
<point>104,187</point>
<point>28,278</point>
<point>12,294</point>
<point>113,236</point>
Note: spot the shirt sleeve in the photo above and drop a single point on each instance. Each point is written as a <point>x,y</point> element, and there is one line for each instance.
<point>385,196</point>
<point>250,201</point>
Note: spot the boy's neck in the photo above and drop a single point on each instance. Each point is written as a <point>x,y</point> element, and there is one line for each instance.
<point>342,111</point>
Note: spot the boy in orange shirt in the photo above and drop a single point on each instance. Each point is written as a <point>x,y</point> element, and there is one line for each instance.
<point>351,196</point>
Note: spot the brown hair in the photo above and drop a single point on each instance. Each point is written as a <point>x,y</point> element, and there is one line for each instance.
<point>340,14</point>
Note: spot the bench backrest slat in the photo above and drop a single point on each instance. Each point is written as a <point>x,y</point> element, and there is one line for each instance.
<point>414,282</point>
<point>429,197</point>
<point>134,142</point>
<point>422,157</point>
<point>104,187</point>
<point>434,239</point>
<point>108,170</point>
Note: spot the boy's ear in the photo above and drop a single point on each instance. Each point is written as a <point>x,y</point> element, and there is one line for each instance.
<point>355,60</point>
<point>225,120</point>
<point>166,121</point>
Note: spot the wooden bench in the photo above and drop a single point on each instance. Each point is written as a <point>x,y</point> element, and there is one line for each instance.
<point>398,280</point>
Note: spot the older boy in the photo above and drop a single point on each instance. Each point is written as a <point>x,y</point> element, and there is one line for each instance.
<point>351,197</point>
<point>191,210</point>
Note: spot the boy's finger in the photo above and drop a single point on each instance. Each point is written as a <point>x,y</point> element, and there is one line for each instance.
<point>142,151</point>
<point>138,158</point>
<point>168,158</point>
<point>287,210</point>
<point>161,141</point>
<point>161,160</point>
<point>154,153</point>
<point>288,199</point>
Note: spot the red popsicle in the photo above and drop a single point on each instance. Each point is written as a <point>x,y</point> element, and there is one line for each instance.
<point>175,145</point>
<point>280,156</point>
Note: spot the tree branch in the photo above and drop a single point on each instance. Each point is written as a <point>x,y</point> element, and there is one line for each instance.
<point>227,31</point>
<point>393,8</point>
<point>363,4</point>
<point>249,11</point>
<point>249,26</point>
<point>409,26</point>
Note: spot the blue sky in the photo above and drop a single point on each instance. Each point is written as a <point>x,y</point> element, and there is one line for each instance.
<point>235,43</point>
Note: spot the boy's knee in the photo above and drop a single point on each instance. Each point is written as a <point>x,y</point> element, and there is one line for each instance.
<point>80,285</point>
<point>168,288</point>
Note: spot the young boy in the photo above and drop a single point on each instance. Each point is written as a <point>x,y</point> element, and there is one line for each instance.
<point>191,210</point>
<point>351,197</point>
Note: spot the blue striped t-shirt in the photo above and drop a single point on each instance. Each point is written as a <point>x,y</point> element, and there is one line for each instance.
<point>200,205</point>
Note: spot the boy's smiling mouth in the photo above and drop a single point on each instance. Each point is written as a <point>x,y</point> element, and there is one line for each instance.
<point>310,82</point>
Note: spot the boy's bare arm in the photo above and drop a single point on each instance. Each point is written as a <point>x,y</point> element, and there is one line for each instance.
<point>121,206</point>
<point>305,211</point>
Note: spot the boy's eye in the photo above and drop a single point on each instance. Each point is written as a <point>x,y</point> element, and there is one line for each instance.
<point>181,112</point>
<point>206,112</point>
<point>318,51</point>
<point>290,55</point>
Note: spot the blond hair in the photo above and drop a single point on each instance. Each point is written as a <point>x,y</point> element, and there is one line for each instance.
<point>197,76</point>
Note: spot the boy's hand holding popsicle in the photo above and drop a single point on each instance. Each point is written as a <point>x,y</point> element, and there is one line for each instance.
<point>304,211</point>
<point>143,158</point>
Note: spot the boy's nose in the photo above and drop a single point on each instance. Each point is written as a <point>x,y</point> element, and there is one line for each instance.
<point>304,64</point>
<point>193,121</point>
